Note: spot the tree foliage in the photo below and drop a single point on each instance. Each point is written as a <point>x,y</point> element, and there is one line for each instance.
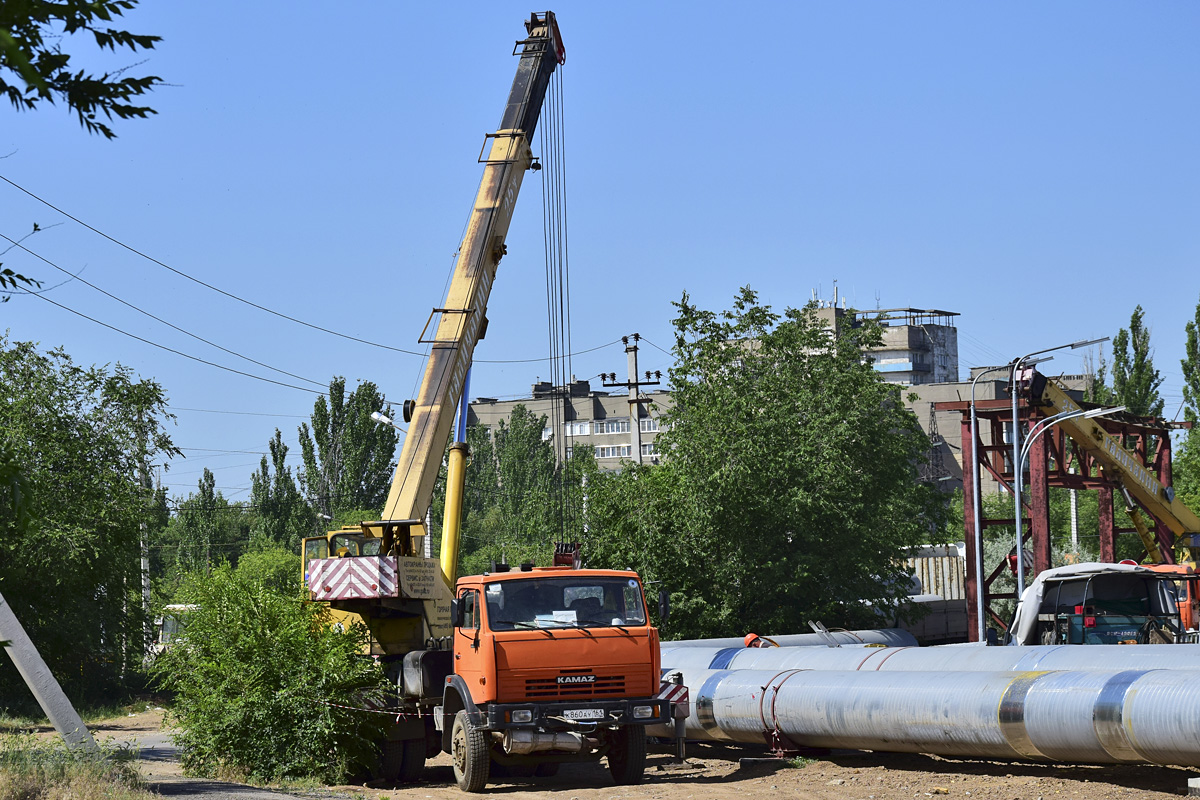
<point>789,480</point>
<point>206,530</point>
<point>259,677</point>
<point>11,281</point>
<point>518,499</point>
<point>1186,465</point>
<point>1190,365</point>
<point>1096,388</point>
<point>1135,380</point>
<point>348,458</point>
<point>281,516</point>
<point>80,436</point>
<point>34,66</point>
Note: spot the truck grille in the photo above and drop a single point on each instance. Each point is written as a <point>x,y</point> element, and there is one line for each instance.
<point>549,689</point>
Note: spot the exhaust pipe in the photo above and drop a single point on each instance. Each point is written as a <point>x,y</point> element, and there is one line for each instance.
<point>522,742</point>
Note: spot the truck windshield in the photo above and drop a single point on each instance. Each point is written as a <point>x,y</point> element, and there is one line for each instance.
<point>574,602</point>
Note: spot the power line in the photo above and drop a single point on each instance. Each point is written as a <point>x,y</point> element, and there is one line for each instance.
<point>533,360</point>
<point>176,474</point>
<point>171,350</point>
<point>656,347</point>
<point>240,413</point>
<point>159,319</point>
<point>215,488</point>
<point>251,303</point>
<point>196,280</point>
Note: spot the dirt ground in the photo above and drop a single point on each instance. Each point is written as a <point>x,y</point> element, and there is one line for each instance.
<point>726,773</point>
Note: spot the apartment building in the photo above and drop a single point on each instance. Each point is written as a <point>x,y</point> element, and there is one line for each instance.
<point>612,425</point>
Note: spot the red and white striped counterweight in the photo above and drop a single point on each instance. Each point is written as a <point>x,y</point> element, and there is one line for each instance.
<point>356,578</point>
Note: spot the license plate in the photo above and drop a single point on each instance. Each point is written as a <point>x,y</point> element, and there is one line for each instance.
<point>584,713</point>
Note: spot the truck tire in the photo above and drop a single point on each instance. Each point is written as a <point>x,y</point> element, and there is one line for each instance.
<point>402,761</point>
<point>469,754</point>
<point>627,755</point>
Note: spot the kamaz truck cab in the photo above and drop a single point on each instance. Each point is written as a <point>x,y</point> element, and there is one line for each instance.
<point>551,664</point>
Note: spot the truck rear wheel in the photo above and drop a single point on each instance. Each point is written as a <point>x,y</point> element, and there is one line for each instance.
<point>627,755</point>
<point>403,761</point>
<point>469,753</point>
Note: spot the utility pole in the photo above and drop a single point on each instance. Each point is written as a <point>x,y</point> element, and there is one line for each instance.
<point>41,682</point>
<point>634,386</point>
<point>144,480</point>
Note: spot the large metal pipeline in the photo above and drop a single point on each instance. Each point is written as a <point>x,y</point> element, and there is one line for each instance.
<point>893,637</point>
<point>1088,658</point>
<point>1125,716</point>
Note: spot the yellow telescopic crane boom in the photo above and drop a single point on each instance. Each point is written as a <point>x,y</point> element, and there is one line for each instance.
<point>462,321</point>
<point>1136,481</point>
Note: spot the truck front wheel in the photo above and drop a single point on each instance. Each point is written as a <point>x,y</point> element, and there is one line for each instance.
<point>469,752</point>
<point>627,755</point>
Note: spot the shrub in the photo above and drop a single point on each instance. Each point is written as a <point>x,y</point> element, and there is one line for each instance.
<point>255,675</point>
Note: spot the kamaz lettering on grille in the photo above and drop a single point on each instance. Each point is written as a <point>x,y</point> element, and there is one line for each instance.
<point>570,679</point>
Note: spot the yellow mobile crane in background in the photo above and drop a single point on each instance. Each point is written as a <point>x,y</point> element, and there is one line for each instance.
<point>1094,603</point>
<point>516,669</point>
<point>1138,484</point>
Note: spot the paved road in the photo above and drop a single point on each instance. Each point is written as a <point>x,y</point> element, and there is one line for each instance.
<point>158,761</point>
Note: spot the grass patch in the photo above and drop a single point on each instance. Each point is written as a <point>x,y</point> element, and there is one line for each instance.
<point>45,769</point>
<point>12,721</point>
<point>800,762</point>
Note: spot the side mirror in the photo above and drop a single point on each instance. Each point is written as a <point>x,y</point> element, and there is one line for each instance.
<point>664,605</point>
<point>456,613</point>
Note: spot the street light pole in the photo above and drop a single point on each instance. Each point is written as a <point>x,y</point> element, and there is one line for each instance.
<point>1018,471</point>
<point>1044,425</point>
<point>1049,422</point>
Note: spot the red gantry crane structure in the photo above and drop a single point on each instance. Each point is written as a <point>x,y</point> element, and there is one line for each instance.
<point>1125,456</point>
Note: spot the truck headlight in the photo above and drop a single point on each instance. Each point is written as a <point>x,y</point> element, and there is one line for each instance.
<point>522,715</point>
<point>643,712</point>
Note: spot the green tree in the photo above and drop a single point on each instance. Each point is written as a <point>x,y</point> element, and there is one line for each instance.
<point>789,483</point>
<point>281,516</point>
<point>348,458</point>
<point>1135,380</point>
<point>1191,367</point>
<point>1186,466</point>
<point>10,281</point>
<point>265,685</point>
<point>35,68</point>
<point>511,507</point>
<point>72,574</point>
<point>1096,388</point>
<point>14,492</point>
<point>207,529</point>
<point>273,568</point>
<point>525,466</point>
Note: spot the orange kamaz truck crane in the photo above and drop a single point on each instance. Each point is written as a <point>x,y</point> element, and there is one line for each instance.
<point>516,669</point>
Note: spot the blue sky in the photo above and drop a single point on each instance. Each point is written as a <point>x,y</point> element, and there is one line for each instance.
<point>1031,166</point>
